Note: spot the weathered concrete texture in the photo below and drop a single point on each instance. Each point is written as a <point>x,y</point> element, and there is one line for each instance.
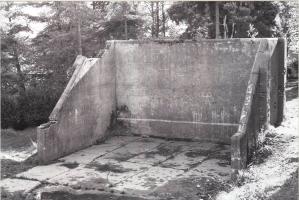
<point>42,173</point>
<point>263,103</point>
<point>184,90</point>
<point>13,185</point>
<point>132,166</point>
<point>278,83</point>
<point>205,90</point>
<point>82,115</point>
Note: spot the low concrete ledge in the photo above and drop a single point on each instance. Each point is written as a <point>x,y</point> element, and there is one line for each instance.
<point>238,151</point>
<point>171,40</point>
<point>46,146</point>
<point>46,125</point>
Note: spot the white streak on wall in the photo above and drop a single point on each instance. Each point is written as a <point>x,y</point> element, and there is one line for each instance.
<point>174,121</point>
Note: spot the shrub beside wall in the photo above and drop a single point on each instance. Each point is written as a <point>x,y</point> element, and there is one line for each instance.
<point>32,109</point>
<point>293,70</point>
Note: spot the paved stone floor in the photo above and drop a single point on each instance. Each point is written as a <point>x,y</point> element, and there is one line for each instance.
<point>127,165</point>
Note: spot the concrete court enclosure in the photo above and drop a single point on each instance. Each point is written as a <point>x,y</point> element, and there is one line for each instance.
<point>222,91</point>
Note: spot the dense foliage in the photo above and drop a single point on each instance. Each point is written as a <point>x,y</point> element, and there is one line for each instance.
<point>36,70</point>
<point>237,19</point>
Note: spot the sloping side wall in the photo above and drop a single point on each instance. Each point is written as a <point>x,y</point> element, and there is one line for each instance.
<point>278,81</point>
<point>82,115</point>
<point>190,90</point>
<point>264,100</point>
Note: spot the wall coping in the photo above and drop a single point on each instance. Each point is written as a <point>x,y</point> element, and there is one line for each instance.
<point>189,41</point>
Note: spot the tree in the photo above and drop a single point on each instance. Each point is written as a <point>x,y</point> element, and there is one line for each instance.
<point>122,20</point>
<point>288,25</point>
<point>264,13</point>
<point>196,15</point>
<point>153,30</point>
<point>13,48</point>
<point>155,18</point>
<point>36,70</point>
<point>16,63</point>
<point>163,19</point>
<point>217,33</point>
<point>237,19</point>
<point>77,13</point>
<point>75,28</point>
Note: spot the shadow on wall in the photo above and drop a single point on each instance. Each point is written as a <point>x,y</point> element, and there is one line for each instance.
<point>292,89</point>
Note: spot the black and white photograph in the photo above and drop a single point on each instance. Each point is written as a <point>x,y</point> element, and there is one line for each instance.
<point>149,100</point>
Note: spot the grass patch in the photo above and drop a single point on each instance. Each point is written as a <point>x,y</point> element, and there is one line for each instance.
<point>205,188</point>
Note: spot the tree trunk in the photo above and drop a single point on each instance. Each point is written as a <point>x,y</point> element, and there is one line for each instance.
<point>233,30</point>
<point>153,19</point>
<point>225,32</point>
<point>157,20</point>
<point>163,20</point>
<point>21,84</point>
<point>217,20</point>
<point>21,98</point>
<point>126,28</point>
<point>78,14</point>
<point>79,37</point>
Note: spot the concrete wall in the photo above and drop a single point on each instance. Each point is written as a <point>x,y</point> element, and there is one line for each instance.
<point>218,90</point>
<point>264,100</point>
<point>82,114</point>
<point>278,81</point>
<point>192,90</point>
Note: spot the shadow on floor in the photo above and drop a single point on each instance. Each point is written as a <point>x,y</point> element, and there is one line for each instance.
<point>59,195</point>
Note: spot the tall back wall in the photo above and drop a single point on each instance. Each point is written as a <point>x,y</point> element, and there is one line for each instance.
<point>192,90</point>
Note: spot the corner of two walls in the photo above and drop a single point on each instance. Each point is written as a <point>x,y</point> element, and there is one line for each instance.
<point>278,82</point>
<point>82,114</point>
<point>264,104</point>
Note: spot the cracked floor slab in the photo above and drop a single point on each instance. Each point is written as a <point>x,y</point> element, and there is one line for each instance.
<point>13,185</point>
<point>43,172</point>
<point>133,149</point>
<point>133,165</point>
<point>149,179</point>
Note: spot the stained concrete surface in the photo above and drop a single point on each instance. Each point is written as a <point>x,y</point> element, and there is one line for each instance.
<point>128,165</point>
<point>171,89</point>
<point>184,90</point>
<point>82,114</point>
<point>19,185</point>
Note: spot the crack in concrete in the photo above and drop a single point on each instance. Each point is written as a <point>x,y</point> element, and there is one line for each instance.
<point>122,145</point>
